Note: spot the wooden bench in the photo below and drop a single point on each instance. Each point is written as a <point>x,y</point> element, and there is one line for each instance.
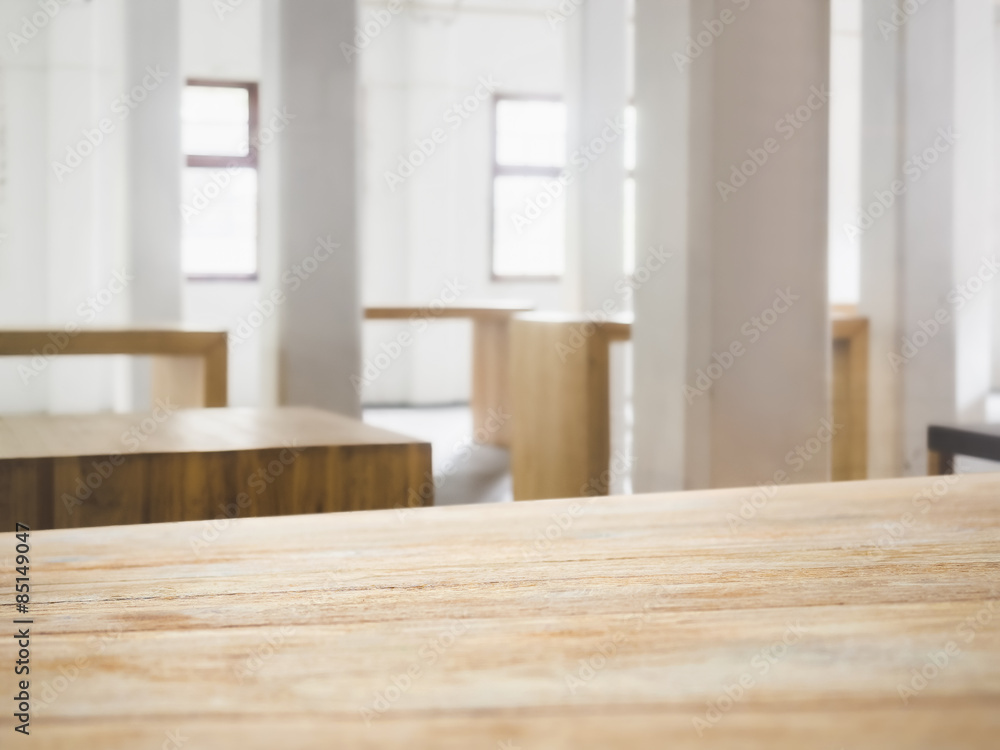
<point>490,336</point>
<point>186,465</point>
<point>944,442</point>
<point>559,374</point>
<point>189,364</point>
<point>640,622</point>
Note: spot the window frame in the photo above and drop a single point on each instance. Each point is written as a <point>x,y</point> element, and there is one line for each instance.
<point>250,161</point>
<point>503,170</point>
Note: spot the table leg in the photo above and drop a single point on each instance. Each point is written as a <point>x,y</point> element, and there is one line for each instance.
<point>940,463</point>
<point>491,404</point>
<point>560,387</point>
<point>179,381</point>
<point>216,374</point>
<point>195,381</point>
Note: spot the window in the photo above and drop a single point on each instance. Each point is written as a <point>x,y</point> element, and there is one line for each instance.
<point>219,186</point>
<point>529,203</point>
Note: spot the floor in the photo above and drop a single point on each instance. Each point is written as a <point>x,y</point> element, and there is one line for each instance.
<point>464,471</point>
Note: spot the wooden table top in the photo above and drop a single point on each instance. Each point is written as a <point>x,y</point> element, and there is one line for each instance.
<point>183,431</point>
<point>660,621</point>
<point>487,309</point>
<point>616,327</point>
<point>127,339</point>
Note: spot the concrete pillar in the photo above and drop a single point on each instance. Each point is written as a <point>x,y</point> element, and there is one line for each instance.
<point>308,203</point>
<point>596,100</point>
<point>150,111</point>
<point>732,346</point>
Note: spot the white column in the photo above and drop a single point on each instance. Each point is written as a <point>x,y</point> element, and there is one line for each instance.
<point>996,224</point>
<point>23,198</point>
<point>945,304</point>
<point>151,113</point>
<point>309,202</point>
<point>879,236</point>
<point>596,101</point>
<point>732,345</point>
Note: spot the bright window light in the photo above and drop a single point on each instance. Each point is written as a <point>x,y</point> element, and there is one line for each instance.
<point>529,206</point>
<point>220,233</point>
<point>219,201</point>
<point>215,121</point>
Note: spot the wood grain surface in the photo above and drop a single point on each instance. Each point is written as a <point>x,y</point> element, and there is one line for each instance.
<point>659,621</point>
<point>190,365</point>
<point>484,310</point>
<point>71,471</point>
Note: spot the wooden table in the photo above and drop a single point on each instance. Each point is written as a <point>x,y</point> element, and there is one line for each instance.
<point>480,628</point>
<point>849,448</point>
<point>944,442</point>
<point>560,375</point>
<point>189,364</point>
<point>560,391</point>
<point>184,465</point>
<point>490,355</point>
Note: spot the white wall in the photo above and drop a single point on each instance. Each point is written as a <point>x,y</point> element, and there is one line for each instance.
<point>226,47</point>
<point>436,226</point>
<point>60,239</point>
<point>845,150</point>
